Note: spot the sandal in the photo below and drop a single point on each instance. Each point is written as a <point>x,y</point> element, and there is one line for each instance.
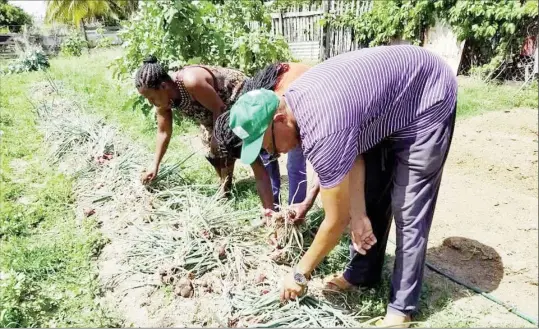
<point>338,284</point>
<point>406,324</point>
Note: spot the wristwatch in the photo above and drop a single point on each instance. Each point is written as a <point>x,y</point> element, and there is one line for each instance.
<point>300,278</point>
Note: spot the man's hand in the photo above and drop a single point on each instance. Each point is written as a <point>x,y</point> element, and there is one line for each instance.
<point>291,290</point>
<point>362,236</point>
<point>148,176</point>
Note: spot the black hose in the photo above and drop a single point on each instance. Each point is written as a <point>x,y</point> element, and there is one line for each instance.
<point>510,308</point>
<point>481,292</point>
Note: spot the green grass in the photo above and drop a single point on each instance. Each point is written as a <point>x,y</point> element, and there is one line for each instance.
<point>47,274</point>
<point>50,254</point>
<point>477,97</point>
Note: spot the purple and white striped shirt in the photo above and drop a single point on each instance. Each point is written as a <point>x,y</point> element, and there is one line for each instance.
<point>351,102</point>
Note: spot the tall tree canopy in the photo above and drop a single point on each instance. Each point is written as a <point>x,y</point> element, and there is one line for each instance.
<point>13,17</point>
<point>78,12</point>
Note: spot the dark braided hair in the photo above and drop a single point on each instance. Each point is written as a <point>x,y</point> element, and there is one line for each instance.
<point>228,143</point>
<point>151,74</point>
<point>266,78</point>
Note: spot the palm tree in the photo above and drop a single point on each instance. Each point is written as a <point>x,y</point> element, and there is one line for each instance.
<point>77,12</point>
<point>123,8</point>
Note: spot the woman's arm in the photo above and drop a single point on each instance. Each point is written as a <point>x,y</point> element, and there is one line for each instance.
<point>164,132</point>
<point>263,184</point>
<point>301,209</point>
<point>199,84</point>
<point>312,193</point>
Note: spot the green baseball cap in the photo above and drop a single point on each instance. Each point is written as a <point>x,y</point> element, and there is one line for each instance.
<point>250,117</point>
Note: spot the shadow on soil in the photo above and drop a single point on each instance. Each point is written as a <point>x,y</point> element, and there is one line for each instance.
<point>465,259</point>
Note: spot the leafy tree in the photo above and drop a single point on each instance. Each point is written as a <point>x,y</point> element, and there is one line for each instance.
<point>234,34</point>
<point>13,17</point>
<point>75,12</point>
<point>494,30</point>
<point>78,12</point>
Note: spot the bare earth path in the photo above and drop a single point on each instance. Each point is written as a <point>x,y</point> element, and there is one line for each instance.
<point>488,209</point>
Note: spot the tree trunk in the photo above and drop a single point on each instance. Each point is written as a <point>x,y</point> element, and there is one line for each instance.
<point>325,40</point>
<point>83,30</point>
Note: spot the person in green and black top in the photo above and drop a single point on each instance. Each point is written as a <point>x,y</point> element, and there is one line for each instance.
<point>199,92</point>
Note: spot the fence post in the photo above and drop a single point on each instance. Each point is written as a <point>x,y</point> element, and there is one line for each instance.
<point>281,21</point>
<point>324,39</point>
<point>536,56</point>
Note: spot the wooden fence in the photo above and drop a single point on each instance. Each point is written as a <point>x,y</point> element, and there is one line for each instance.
<point>7,45</point>
<point>308,39</point>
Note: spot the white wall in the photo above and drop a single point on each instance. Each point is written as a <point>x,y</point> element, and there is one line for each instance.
<point>441,40</point>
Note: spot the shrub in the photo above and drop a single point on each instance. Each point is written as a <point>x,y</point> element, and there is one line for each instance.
<point>103,41</point>
<point>493,30</point>
<point>73,45</point>
<point>31,60</point>
<point>234,34</point>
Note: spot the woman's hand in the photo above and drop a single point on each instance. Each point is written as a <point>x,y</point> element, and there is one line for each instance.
<point>164,132</point>
<point>267,215</point>
<point>301,209</point>
<point>298,211</point>
<point>148,176</point>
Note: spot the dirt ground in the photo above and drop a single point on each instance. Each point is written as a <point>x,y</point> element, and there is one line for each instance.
<point>485,227</point>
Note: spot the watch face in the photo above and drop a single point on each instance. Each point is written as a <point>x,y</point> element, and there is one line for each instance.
<point>300,279</point>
